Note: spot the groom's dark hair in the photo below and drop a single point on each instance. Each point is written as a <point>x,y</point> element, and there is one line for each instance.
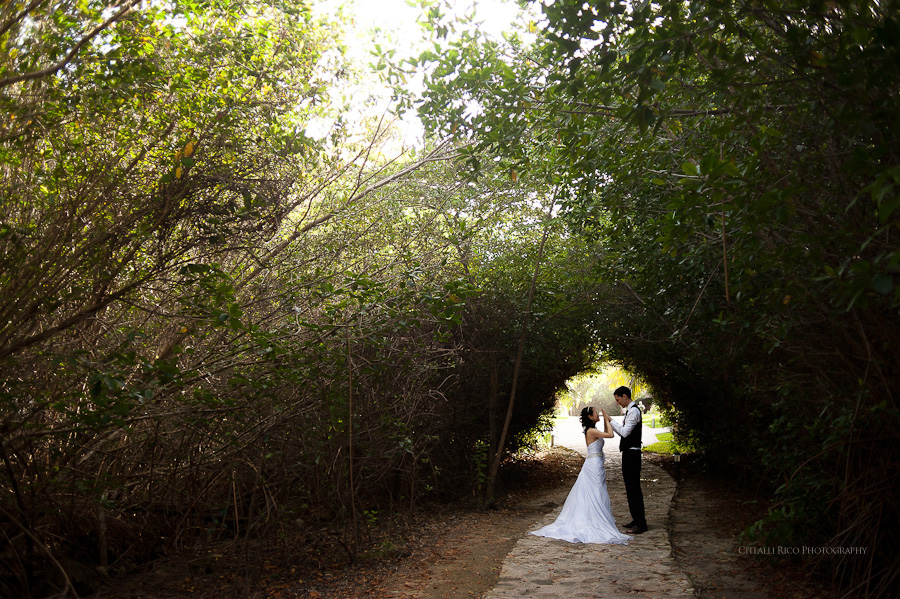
<point>622,391</point>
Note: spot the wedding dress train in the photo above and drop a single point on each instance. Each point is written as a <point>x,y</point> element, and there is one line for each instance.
<point>586,517</point>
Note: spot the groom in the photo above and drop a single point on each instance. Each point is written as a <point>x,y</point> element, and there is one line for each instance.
<point>630,446</point>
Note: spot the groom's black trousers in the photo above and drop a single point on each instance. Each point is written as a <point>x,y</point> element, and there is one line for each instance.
<point>631,473</point>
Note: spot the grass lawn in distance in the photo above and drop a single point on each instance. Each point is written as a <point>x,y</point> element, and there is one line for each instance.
<point>665,444</point>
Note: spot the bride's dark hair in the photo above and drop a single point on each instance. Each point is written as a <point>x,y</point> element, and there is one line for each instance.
<point>586,421</point>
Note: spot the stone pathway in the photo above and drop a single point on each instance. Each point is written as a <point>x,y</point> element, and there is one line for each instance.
<point>692,507</point>
<point>539,567</point>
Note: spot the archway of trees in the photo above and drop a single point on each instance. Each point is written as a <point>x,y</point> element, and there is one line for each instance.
<point>735,166</point>
<point>216,324</point>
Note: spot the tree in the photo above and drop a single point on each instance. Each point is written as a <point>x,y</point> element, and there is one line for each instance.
<point>734,163</point>
<point>155,171</point>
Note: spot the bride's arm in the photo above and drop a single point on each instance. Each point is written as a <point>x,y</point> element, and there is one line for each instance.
<point>607,429</point>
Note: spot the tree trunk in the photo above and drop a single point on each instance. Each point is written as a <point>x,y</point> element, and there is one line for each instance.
<point>495,464</point>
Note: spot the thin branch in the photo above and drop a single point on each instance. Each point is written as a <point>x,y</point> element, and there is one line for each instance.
<point>45,549</point>
<point>495,465</point>
<point>25,11</point>
<point>73,52</point>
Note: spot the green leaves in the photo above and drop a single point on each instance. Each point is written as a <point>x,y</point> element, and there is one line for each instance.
<point>778,121</point>
<point>885,192</point>
<point>690,168</point>
<point>227,293</point>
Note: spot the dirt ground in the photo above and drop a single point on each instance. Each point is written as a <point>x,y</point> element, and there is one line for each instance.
<point>454,552</point>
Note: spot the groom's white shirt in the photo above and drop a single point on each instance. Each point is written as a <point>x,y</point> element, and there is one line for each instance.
<point>632,417</point>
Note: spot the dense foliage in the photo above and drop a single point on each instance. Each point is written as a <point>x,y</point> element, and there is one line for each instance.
<point>217,325</point>
<point>735,164</point>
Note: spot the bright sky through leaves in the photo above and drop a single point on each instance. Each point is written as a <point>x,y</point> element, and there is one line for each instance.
<point>392,23</point>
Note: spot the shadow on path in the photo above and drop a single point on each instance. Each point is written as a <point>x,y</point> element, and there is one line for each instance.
<point>707,517</point>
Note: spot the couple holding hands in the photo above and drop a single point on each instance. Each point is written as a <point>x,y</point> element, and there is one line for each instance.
<point>586,516</point>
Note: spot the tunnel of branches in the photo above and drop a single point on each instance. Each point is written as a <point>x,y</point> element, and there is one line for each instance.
<point>219,323</point>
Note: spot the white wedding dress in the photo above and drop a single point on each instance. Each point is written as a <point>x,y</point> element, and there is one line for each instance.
<point>586,517</point>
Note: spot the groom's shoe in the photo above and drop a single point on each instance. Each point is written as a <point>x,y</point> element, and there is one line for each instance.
<point>630,524</point>
<point>636,530</point>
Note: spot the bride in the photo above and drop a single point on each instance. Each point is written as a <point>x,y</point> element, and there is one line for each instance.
<point>586,517</point>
